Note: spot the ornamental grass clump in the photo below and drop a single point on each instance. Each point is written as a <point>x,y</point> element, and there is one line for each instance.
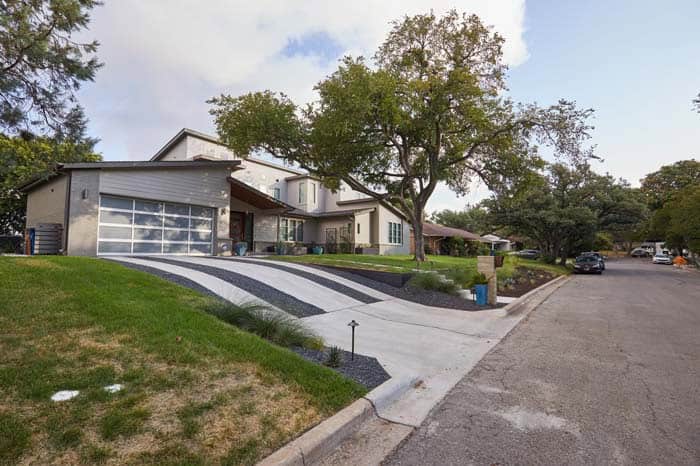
<point>267,323</point>
<point>433,282</point>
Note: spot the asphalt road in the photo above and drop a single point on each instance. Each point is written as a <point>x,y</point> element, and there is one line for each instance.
<point>606,371</point>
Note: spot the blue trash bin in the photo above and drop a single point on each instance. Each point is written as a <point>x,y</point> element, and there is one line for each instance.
<point>482,294</point>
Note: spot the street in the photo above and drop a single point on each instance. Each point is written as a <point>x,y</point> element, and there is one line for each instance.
<point>605,371</point>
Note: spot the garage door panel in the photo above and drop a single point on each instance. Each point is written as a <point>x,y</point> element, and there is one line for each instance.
<point>133,226</point>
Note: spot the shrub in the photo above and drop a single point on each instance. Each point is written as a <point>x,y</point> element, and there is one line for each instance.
<point>335,357</point>
<point>434,282</point>
<point>266,323</point>
<point>460,275</point>
<point>478,279</point>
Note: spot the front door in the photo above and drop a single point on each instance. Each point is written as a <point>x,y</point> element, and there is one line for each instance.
<point>237,226</point>
<point>241,226</point>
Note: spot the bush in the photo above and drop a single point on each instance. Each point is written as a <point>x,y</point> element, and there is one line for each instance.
<point>478,279</point>
<point>335,357</point>
<point>267,323</point>
<point>461,276</point>
<point>434,282</point>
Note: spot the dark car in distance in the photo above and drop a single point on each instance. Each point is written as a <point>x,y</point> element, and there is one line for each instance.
<point>588,264</point>
<point>597,255</point>
<point>528,254</point>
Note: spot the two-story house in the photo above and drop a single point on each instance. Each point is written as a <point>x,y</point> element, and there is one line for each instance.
<point>196,197</point>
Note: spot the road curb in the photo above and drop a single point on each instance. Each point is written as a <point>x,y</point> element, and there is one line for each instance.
<point>321,440</point>
<point>542,291</point>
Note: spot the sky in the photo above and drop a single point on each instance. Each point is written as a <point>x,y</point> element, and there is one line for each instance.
<point>637,63</point>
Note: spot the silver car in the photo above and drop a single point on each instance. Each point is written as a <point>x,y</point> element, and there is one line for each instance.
<point>662,259</point>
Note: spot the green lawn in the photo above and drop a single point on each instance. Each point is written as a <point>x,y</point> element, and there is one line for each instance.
<point>405,263</point>
<point>196,390</point>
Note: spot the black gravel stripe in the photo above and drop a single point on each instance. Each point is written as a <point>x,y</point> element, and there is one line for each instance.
<point>364,370</point>
<point>333,285</point>
<point>407,292</point>
<point>171,277</point>
<point>257,288</point>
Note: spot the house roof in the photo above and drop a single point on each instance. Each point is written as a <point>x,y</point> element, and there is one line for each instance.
<point>301,177</point>
<point>126,165</point>
<point>434,229</point>
<point>254,197</point>
<point>495,239</point>
<point>184,132</point>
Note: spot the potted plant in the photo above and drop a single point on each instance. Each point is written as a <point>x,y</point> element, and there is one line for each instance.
<point>240,248</point>
<point>280,248</point>
<point>499,258</point>
<point>316,249</point>
<point>480,285</point>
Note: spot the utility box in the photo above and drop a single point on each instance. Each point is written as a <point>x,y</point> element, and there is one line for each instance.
<point>45,238</point>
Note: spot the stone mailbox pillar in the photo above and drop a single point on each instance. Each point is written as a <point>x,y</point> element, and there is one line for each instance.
<point>487,266</point>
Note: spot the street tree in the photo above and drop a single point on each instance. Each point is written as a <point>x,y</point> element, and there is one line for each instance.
<point>678,220</point>
<point>42,64</point>
<point>429,108</point>
<point>473,218</point>
<point>660,186</point>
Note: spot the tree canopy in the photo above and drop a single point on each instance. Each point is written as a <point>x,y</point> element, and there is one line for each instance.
<point>428,108</point>
<point>662,185</point>
<point>678,220</point>
<point>42,65</point>
<point>473,218</point>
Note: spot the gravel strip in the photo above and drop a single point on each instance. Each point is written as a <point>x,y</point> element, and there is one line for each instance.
<point>333,285</point>
<point>171,277</point>
<point>364,370</point>
<point>407,292</point>
<point>263,291</point>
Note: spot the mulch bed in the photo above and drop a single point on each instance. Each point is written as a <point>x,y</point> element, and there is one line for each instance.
<point>364,370</point>
<point>524,280</point>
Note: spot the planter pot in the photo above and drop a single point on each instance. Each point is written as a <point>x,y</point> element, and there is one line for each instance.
<point>318,250</point>
<point>281,250</point>
<point>482,294</point>
<point>240,249</point>
<point>499,260</point>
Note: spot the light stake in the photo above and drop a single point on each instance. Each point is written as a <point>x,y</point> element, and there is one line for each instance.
<point>352,325</point>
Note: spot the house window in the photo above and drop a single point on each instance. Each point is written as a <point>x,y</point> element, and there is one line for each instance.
<point>358,228</point>
<point>302,193</point>
<point>292,230</point>
<point>276,193</point>
<point>395,233</point>
<point>313,193</point>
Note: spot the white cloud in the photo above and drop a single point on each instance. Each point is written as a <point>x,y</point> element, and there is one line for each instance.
<point>164,58</point>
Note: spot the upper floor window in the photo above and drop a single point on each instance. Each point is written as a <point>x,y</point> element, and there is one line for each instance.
<point>302,193</point>
<point>276,193</point>
<point>395,233</point>
<point>313,193</point>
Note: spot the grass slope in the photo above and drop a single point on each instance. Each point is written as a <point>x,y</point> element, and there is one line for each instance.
<point>196,390</point>
<point>405,263</point>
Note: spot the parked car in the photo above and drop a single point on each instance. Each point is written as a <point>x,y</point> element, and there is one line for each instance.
<point>598,256</point>
<point>662,258</point>
<point>639,252</point>
<point>588,264</point>
<point>528,254</point>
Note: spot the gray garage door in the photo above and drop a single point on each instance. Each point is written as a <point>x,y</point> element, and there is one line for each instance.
<point>134,226</point>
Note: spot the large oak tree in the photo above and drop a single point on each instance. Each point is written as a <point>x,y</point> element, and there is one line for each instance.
<point>429,108</point>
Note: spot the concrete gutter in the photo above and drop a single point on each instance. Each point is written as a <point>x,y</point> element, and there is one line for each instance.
<point>342,428</point>
<point>321,440</point>
<point>534,298</point>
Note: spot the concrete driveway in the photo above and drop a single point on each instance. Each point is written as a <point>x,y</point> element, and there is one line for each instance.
<point>606,371</point>
<point>426,350</point>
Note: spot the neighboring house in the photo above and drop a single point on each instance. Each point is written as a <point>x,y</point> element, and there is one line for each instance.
<point>195,197</point>
<point>497,243</point>
<point>434,235</point>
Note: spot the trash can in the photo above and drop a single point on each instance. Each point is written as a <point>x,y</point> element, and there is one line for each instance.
<point>482,294</point>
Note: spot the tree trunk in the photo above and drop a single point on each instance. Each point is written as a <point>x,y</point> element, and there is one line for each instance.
<point>418,239</point>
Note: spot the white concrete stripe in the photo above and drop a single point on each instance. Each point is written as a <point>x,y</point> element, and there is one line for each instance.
<point>330,276</point>
<point>213,284</point>
<point>305,290</point>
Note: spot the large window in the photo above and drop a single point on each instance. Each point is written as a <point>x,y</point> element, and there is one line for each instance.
<point>292,230</point>
<point>276,193</point>
<point>302,192</point>
<point>313,193</point>
<point>133,226</point>
<point>395,233</point>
